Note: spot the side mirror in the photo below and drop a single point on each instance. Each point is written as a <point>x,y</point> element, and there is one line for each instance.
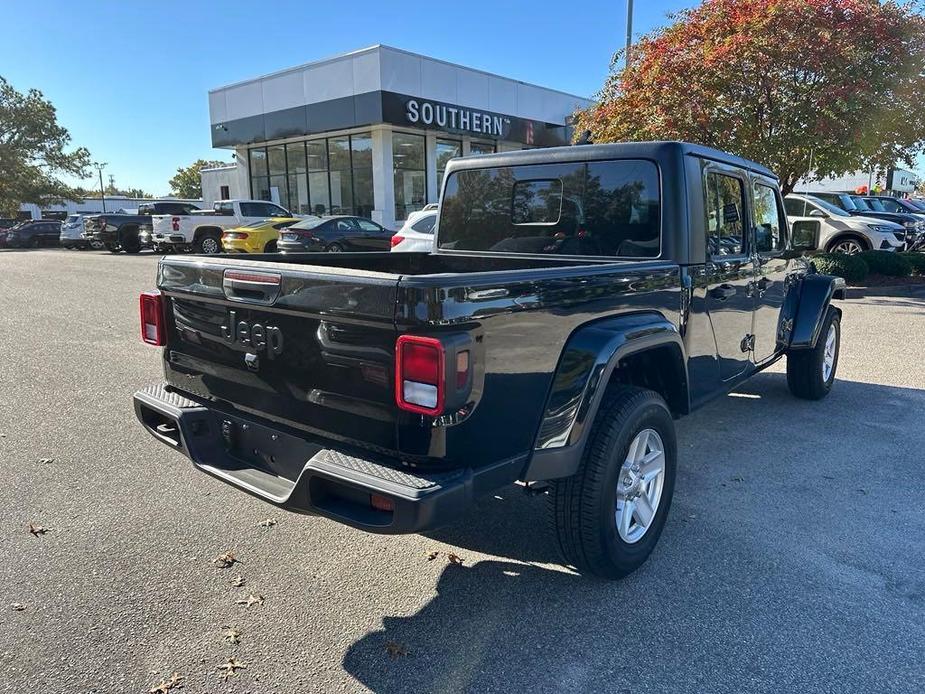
<point>804,236</point>
<point>817,213</point>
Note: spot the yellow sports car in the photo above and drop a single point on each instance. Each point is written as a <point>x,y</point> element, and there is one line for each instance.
<point>256,237</point>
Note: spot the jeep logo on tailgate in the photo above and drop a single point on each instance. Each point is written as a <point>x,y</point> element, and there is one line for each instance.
<point>258,337</point>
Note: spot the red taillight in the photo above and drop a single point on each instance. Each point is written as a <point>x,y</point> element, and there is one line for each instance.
<point>420,381</point>
<point>151,305</point>
<point>395,240</point>
<point>234,235</point>
<point>175,223</point>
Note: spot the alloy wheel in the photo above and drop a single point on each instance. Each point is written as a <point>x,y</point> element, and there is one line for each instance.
<point>848,247</point>
<point>639,486</point>
<point>828,355</point>
<point>210,245</point>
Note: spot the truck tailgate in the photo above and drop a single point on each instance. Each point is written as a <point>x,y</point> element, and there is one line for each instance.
<point>310,347</point>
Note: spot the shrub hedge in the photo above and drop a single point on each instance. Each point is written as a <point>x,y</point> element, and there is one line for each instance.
<point>917,261</point>
<point>852,267</point>
<point>887,263</point>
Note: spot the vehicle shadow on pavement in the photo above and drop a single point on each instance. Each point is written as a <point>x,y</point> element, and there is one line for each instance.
<point>767,554</point>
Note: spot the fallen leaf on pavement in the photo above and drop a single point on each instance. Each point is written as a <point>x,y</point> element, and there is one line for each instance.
<point>226,560</point>
<point>432,555</point>
<point>396,650</point>
<point>250,600</point>
<point>18,606</point>
<point>454,558</point>
<point>175,682</point>
<point>46,461</point>
<point>37,529</point>
<point>238,581</point>
<point>231,635</point>
<point>268,523</point>
<point>229,668</point>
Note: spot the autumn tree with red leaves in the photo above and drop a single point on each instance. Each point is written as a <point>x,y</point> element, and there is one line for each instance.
<point>828,86</point>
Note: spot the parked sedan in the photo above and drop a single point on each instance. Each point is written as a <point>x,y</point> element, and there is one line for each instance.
<point>417,235</point>
<point>334,234</point>
<point>41,232</point>
<point>257,237</point>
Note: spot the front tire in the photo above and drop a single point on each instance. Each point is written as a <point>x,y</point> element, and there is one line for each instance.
<point>849,245</point>
<point>811,372</point>
<point>335,248</point>
<point>607,518</point>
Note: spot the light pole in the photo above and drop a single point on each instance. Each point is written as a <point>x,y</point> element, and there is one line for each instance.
<point>99,167</point>
<point>629,30</point>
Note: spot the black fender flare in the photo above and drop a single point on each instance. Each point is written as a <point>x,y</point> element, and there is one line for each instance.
<point>585,365</point>
<point>816,293</point>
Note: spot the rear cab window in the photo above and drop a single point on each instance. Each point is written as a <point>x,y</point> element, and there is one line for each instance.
<point>601,209</point>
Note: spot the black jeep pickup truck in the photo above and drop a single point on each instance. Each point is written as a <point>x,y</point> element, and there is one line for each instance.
<point>123,232</point>
<point>578,300</point>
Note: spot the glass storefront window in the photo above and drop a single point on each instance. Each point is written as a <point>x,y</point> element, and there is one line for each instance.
<point>279,192</point>
<point>258,163</point>
<point>341,183</point>
<point>276,157</point>
<point>298,180</point>
<point>446,150</point>
<point>361,152</point>
<point>319,195</point>
<point>408,162</point>
<point>481,148</point>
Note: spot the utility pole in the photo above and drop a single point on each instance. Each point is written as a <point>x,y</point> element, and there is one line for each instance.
<point>629,31</point>
<point>99,167</point>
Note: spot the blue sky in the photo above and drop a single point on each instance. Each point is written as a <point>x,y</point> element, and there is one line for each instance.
<point>130,79</point>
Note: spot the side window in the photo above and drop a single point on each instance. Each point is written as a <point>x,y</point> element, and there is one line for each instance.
<point>795,207</point>
<point>426,225</point>
<point>725,210</point>
<point>367,225</point>
<point>769,226</point>
<point>226,209</point>
<point>271,210</point>
<point>345,225</point>
<point>251,209</point>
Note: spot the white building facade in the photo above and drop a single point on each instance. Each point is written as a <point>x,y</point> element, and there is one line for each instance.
<point>370,132</point>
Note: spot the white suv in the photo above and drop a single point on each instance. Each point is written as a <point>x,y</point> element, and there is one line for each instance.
<point>417,234</point>
<point>840,232</point>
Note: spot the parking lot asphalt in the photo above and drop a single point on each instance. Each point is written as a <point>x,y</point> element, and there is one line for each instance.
<point>793,558</point>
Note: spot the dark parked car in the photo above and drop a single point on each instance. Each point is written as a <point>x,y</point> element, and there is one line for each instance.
<point>334,234</point>
<point>123,232</point>
<point>577,300</point>
<point>41,232</point>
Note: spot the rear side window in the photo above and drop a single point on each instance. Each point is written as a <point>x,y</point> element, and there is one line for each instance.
<point>725,215</point>
<point>425,225</point>
<point>608,208</point>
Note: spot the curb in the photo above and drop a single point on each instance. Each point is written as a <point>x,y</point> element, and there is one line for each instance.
<point>900,290</point>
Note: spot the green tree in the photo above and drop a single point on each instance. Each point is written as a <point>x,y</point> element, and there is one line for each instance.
<point>33,152</point>
<point>802,86</point>
<point>187,183</point>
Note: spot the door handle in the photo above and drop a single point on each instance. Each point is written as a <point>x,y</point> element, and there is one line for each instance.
<point>723,292</point>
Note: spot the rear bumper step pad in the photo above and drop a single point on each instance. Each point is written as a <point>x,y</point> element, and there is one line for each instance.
<point>306,476</point>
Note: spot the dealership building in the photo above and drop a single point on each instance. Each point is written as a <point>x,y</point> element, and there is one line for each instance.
<point>370,132</point>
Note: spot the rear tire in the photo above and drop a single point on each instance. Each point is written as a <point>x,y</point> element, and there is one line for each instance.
<point>208,244</point>
<point>811,372</point>
<point>335,248</point>
<point>587,508</point>
<point>270,247</point>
